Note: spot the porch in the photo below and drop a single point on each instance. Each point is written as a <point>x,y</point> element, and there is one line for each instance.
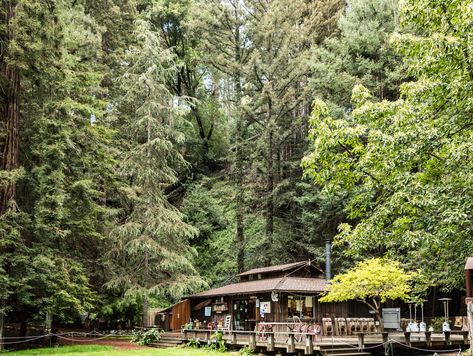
<point>358,343</point>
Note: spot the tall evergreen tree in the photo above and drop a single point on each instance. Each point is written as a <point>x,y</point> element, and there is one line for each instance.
<point>281,35</point>
<point>222,25</point>
<point>151,245</point>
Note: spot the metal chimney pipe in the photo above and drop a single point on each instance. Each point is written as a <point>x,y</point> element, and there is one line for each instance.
<point>328,259</point>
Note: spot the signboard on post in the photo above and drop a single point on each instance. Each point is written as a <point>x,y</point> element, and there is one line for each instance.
<point>392,318</point>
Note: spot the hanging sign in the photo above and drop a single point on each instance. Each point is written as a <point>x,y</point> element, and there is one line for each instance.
<point>265,307</point>
<point>208,311</point>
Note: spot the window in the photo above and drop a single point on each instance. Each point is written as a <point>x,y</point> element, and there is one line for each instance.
<point>300,306</point>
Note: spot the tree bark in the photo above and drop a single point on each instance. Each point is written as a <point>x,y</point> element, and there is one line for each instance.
<point>2,322</point>
<point>269,225</point>
<point>239,198</point>
<point>145,295</point>
<point>11,119</point>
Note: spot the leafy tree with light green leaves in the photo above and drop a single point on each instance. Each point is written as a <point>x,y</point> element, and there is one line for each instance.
<point>408,163</point>
<point>372,282</point>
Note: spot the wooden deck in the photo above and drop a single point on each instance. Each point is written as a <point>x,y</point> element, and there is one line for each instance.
<point>359,344</point>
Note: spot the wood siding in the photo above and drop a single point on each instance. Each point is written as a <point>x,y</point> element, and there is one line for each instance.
<point>181,314</point>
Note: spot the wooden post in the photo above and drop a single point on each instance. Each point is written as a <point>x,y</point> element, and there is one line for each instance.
<point>291,347</point>
<point>428,338</point>
<point>309,345</point>
<point>469,313</point>
<point>270,342</point>
<point>361,341</point>
<point>207,336</point>
<point>385,336</point>
<point>447,338</point>
<point>407,336</point>
<point>469,293</point>
<point>465,337</point>
<point>233,338</point>
<point>252,344</point>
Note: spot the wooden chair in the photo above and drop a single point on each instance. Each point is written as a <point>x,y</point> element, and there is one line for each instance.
<point>297,329</point>
<point>314,329</point>
<point>327,326</point>
<point>227,324</point>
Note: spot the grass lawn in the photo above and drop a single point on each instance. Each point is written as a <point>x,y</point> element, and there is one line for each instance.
<point>99,350</point>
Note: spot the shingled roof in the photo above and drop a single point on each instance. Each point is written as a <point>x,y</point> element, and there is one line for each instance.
<point>281,284</point>
<point>277,268</point>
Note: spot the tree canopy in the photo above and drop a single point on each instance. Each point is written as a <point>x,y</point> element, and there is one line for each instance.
<point>151,148</point>
<point>373,282</point>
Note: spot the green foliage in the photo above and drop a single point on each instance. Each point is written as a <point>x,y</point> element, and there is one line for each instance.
<point>246,351</point>
<point>218,342</point>
<point>153,234</point>
<point>145,337</point>
<point>437,323</point>
<point>406,163</point>
<point>360,54</point>
<point>162,140</point>
<point>194,343</point>
<point>373,281</point>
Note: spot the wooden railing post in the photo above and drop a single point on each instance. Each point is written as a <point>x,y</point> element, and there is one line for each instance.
<point>428,338</point>
<point>270,342</point>
<point>447,338</point>
<point>385,336</point>
<point>361,341</point>
<point>465,337</point>
<point>407,336</point>
<point>206,336</point>
<point>309,345</point>
<point>233,338</point>
<point>291,347</point>
<point>252,344</point>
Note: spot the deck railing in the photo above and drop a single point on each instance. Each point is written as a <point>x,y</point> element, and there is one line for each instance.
<point>292,341</point>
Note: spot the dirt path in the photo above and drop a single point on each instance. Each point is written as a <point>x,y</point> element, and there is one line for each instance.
<point>119,344</point>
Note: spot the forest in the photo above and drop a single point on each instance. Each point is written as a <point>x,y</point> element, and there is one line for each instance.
<point>153,148</point>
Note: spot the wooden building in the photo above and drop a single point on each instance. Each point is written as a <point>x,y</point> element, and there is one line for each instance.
<point>281,293</point>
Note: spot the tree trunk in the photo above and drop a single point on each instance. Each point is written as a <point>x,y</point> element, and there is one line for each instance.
<point>269,226</point>
<point>380,320</point>
<point>145,311</point>
<point>239,198</point>
<point>240,228</point>
<point>11,118</point>
<point>145,295</point>
<point>2,322</point>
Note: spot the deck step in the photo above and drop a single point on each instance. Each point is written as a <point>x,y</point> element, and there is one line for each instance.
<point>168,340</point>
<point>160,344</point>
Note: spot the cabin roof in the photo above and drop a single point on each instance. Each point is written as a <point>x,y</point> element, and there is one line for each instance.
<point>469,263</point>
<point>280,284</point>
<point>277,268</point>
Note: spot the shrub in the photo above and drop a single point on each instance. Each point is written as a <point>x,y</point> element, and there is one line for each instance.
<point>145,337</point>
<point>246,351</point>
